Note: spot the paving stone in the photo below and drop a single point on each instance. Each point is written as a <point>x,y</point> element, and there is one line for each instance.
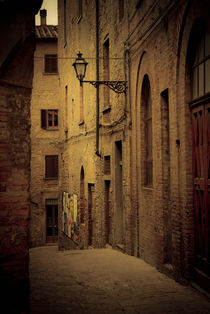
<point>105,281</point>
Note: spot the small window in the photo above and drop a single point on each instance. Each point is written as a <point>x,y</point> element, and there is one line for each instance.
<point>64,22</point>
<point>49,119</point>
<point>51,166</point>
<point>51,63</point>
<point>106,70</point>
<point>107,166</point>
<point>79,10</point>
<point>121,9</point>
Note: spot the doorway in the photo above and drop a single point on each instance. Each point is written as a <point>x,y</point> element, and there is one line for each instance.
<point>118,194</point>
<point>201,191</point>
<point>91,190</point>
<point>107,212</point>
<point>51,220</point>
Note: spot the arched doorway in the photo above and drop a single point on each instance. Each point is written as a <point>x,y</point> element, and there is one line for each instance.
<point>198,60</point>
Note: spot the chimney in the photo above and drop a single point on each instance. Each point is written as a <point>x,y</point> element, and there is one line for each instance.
<point>43,17</point>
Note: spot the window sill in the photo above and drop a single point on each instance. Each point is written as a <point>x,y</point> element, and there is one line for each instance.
<point>50,129</point>
<point>50,179</point>
<point>107,177</point>
<point>147,188</point>
<point>53,73</point>
<point>81,123</point>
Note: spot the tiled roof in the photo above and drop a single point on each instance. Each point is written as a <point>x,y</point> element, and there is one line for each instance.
<point>46,31</point>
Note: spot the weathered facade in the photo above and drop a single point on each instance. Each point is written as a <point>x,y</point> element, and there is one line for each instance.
<point>138,162</point>
<point>45,124</point>
<point>16,72</point>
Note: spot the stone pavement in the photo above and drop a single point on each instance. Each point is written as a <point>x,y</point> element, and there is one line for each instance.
<point>105,281</point>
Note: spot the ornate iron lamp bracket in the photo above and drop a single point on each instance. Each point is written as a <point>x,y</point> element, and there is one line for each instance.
<point>118,87</point>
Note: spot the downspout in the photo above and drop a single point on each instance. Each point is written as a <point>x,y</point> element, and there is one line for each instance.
<point>97,78</point>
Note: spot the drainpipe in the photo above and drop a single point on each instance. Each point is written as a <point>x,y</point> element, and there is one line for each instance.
<point>97,78</point>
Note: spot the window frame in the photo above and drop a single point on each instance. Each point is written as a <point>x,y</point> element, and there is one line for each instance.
<point>199,84</point>
<point>45,119</point>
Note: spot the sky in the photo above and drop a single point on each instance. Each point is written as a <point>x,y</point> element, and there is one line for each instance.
<point>52,16</point>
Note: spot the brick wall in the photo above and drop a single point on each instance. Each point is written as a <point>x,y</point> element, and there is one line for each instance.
<point>44,141</point>
<point>14,201</point>
<point>16,71</point>
<point>165,211</point>
<point>151,39</point>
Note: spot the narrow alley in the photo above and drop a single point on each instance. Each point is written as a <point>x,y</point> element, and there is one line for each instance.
<point>105,281</point>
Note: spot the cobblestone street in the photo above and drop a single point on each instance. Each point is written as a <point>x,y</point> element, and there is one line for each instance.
<point>105,281</point>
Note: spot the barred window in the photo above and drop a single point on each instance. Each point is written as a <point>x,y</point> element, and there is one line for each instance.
<point>107,165</point>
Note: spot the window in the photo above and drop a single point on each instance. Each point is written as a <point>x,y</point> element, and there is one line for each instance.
<point>79,10</point>
<point>49,119</point>
<point>107,166</point>
<point>66,108</point>
<point>121,9</point>
<point>147,119</point>
<point>64,22</point>
<point>106,72</point>
<point>51,63</point>
<point>51,166</point>
<point>201,67</point>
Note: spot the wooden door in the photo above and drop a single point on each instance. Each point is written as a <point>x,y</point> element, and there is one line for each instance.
<point>201,178</point>
<point>90,212</point>
<point>107,212</point>
<point>52,223</point>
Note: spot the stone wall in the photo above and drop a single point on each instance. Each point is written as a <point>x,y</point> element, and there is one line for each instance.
<point>16,72</point>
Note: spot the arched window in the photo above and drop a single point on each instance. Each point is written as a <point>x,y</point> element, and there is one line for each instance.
<point>147,132</point>
<point>201,65</point>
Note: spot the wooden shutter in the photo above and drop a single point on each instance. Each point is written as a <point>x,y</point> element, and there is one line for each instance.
<point>43,119</point>
<point>51,63</point>
<point>55,166</point>
<point>51,166</point>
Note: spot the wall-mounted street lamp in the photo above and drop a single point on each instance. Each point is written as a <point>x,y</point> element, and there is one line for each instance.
<point>80,66</point>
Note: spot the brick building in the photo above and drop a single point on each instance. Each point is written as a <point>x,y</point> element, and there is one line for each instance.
<point>16,72</point>
<point>45,149</point>
<point>135,165</point>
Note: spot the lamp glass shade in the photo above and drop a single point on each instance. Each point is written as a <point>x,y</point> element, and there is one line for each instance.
<point>80,66</point>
